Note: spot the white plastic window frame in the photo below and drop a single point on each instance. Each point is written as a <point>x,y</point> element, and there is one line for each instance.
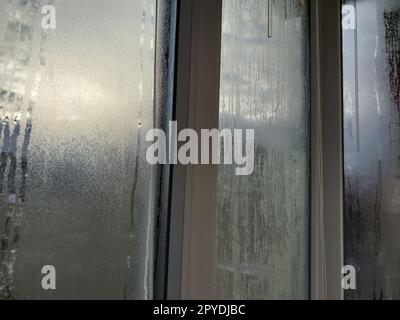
<point>191,251</point>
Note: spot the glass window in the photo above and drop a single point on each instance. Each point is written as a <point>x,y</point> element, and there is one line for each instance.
<point>75,104</point>
<point>371,53</point>
<point>263,228</point>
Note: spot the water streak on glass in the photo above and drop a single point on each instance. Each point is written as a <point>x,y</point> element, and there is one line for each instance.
<point>371,71</point>
<point>263,220</point>
<point>75,103</point>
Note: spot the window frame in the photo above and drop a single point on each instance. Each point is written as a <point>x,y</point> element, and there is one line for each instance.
<point>192,216</point>
<point>327,246</point>
<point>164,100</point>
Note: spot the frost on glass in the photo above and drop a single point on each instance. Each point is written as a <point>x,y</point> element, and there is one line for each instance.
<point>263,219</point>
<point>371,60</point>
<point>75,103</point>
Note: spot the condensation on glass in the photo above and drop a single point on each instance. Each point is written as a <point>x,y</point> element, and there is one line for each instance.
<point>264,219</point>
<point>75,103</point>
<point>371,58</point>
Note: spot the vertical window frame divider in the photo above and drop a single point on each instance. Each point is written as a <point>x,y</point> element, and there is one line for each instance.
<point>193,200</point>
<point>164,101</point>
<point>327,173</point>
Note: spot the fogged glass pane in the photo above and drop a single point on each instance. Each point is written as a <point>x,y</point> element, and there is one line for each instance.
<point>371,52</point>
<point>75,102</point>
<point>263,219</point>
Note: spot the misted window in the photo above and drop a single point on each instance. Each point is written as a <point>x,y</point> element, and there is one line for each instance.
<point>76,100</point>
<point>263,248</point>
<point>371,70</point>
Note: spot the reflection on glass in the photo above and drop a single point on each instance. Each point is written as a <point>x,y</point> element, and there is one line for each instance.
<point>263,220</point>
<point>73,183</point>
<point>371,53</point>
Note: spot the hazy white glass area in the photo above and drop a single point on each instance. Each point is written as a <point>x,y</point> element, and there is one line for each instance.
<point>263,219</point>
<point>371,71</point>
<point>75,104</point>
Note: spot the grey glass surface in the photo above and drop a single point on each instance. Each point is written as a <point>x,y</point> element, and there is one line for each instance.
<point>264,219</point>
<point>371,56</point>
<point>75,105</point>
